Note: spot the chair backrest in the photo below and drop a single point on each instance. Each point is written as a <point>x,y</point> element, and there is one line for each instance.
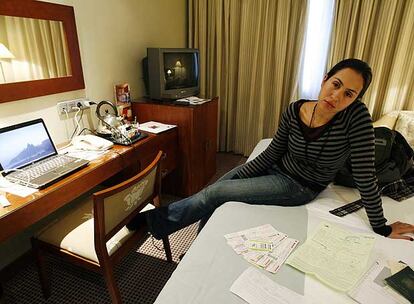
<point>115,206</point>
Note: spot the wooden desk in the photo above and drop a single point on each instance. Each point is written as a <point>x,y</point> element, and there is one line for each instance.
<point>24,212</point>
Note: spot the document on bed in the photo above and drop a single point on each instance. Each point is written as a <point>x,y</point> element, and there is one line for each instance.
<point>262,246</point>
<point>335,256</point>
<point>372,288</point>
<point>255,288</point>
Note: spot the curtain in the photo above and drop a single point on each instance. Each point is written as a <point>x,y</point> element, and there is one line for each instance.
<point>381,33</point>
<point>316,47</point>
<point>250,51</point>
<point>39,47</point>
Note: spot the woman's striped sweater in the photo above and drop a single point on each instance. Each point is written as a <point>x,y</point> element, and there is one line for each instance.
<point>349,134</point>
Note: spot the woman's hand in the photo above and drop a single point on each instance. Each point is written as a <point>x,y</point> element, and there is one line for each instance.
<point>398,230</point>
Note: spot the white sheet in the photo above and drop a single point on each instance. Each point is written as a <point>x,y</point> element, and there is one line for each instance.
<point>210,266</point>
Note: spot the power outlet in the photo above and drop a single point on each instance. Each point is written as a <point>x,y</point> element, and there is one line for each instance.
<point>68,106</point>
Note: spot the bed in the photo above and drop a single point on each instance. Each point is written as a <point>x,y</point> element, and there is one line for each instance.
<point>210,266</point>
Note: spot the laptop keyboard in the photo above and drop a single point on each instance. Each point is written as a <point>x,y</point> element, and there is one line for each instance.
<point>41,167</point>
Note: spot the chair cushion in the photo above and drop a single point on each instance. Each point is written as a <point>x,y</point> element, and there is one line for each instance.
<point>74,232</point>
<point>405,125</point>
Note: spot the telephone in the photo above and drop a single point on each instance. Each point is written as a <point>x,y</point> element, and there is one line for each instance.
<point>91,142</point>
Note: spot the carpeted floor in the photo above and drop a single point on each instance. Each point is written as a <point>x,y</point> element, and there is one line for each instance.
<point>140,276</point>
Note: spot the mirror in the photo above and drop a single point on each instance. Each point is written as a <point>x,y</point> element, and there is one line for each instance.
<point>33,49</point>
<point>43,47</point>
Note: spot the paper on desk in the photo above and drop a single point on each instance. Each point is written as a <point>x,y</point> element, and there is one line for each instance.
<point>193,100</point>
<point>255,288</point>
<point>336,257</point>
<point>155,127</point>
<point>84,154</point>
<point>4,201</point>
<point>16,189</point>
<point>371,288</point>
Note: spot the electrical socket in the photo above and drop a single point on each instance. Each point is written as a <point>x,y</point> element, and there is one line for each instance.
<point>68,106</point>
<point>84,103</point>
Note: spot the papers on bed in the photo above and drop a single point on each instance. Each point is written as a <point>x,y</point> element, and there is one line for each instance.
<point>255,288</point>
<point>372,288</point>
<point>262,246</point>
<point>335,256</point>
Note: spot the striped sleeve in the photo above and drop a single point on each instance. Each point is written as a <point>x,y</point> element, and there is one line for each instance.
<point>273,152</point>
<point>362,155</point>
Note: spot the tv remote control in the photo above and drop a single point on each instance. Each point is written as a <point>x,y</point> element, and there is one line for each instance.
<point>347,209</point>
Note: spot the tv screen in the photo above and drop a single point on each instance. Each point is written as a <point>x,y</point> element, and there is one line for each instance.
<point>180,70</point>
<point>171,73</point>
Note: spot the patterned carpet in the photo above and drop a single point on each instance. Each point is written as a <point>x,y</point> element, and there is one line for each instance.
<point>140,276</point>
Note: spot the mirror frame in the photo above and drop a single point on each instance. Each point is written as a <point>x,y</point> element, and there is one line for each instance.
<point>48,11</point>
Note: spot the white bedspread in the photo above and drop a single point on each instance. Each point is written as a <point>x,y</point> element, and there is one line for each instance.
<point>210,266</point>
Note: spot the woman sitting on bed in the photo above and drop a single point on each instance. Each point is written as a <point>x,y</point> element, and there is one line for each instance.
<point>314,139</point>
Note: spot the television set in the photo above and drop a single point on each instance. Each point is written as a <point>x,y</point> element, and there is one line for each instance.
<point>171,74</point>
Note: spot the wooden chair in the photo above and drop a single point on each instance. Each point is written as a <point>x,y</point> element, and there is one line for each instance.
<point>94,234</point>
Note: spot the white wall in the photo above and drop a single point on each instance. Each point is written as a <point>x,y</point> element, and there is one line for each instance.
<point>113,37</point>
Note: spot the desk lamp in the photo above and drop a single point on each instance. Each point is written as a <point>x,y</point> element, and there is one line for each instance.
<point>4,54</point>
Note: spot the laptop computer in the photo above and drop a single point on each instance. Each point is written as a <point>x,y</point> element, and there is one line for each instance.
<point>29,157</point>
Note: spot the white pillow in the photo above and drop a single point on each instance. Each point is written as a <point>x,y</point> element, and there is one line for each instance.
<point>405,125</point>
<point>388,120</point>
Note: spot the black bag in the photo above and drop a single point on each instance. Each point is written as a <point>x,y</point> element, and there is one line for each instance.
<point>393,158</point>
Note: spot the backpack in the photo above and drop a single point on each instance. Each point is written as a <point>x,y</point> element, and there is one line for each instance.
<point>393,158</point>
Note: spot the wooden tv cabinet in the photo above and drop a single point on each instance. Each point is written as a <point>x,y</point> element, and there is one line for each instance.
<point>197,141</point>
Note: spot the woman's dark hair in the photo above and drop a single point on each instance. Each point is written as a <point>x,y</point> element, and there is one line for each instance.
<point>358,66</point>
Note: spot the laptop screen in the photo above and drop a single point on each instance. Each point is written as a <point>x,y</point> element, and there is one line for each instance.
<point>25,143</point>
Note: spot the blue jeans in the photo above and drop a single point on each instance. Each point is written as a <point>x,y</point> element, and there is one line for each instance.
<point>273,188</point>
